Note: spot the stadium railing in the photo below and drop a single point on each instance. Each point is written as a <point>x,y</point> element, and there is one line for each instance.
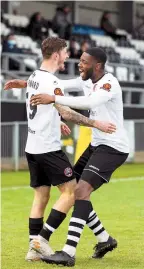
<point>14,134</point>
<point>71,66</point>
<point>71,72</point>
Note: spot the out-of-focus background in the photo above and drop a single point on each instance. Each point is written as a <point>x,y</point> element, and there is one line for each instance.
<point>118,28</point>
<point>115,26</point>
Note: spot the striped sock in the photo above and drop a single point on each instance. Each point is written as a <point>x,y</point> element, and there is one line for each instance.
<point>53,222</point>
<point>78,220</point>
<point>97,228</point>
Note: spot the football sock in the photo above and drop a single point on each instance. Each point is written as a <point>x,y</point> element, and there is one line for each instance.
<point>53,222</point>
<point>35,226</point>
<point>78,220</point>
<point>97,228</point>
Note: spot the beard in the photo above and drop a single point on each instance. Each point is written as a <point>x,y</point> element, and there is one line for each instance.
<point>88,74</point>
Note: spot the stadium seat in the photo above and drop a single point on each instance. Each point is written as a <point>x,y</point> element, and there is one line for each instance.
<point>51,33</point>
<point>109,69</point>
<point>103,41</point>
<point>122,73</point>
<point>142,62</point>
<point>1,81</point>
<point>25,42</point>
<point>16,20</point>
<point>138,44</point>
<point>68,43</point>
<point>4,30</point>
<point>30,63</point>
<point>128,55</point>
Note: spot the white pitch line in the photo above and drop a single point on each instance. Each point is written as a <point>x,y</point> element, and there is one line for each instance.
<point>15,188</point>
<point>112,181</point>
<point>127,179</point>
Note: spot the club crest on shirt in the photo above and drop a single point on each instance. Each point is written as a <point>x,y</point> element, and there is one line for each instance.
<point>58,91</point>
<point>68,172</point>
<point>106,87</point>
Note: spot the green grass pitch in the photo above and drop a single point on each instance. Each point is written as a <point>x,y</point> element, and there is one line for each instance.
<point>119,204</point>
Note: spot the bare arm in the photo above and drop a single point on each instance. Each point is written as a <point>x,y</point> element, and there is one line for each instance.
<point>15,83</point>
<point>70,115</point>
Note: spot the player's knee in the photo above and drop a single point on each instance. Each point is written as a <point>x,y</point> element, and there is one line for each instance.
<point>83,191</point>
<point>45,199</point>
<point>68,187</point>
<point>69,197</point>
<point>41,200</point>
<point>42,195</point>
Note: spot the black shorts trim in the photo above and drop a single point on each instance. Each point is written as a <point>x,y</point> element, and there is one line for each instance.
<point>96,173</point>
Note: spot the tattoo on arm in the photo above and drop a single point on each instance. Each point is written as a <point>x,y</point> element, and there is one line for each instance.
<point>71,115</point>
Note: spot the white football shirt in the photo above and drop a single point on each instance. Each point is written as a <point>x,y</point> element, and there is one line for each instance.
<point>78,83</point>
<point>105,104</point>
<point>111,111</point>
<point>44,134</point>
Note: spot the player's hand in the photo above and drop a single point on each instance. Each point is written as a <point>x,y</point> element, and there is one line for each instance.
<point>106,127</point>
<point>41,99</point>
<point>15,83</point>
<point>65,130</point>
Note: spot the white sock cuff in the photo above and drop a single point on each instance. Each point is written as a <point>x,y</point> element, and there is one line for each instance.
<point>69,250</point>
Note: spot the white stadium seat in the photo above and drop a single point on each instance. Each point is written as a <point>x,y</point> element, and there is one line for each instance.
<point>128,53</point>
<point>31,63</point>
<point>4,30</point>
<point>109,69</point>
<point>16,20</point>
<point>142,62</point>
<point>51,33</point>
<point>25,42</point>
<point>122,73</point>
<point>139,44</point>
<point>103,41</point>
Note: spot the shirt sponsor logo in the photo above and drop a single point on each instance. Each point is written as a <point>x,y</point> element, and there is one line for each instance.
<point>68,172</point>
<point>91,166</point>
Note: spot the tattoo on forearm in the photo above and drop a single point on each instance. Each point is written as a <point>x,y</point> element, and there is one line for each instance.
<point>71,115</point>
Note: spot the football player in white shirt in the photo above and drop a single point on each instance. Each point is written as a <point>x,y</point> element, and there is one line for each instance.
<point>48,165</point>
<point>103,156</point>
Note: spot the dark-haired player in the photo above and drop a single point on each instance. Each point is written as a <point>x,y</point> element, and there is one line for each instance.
<point>103,156</point>
<point>48,164</point>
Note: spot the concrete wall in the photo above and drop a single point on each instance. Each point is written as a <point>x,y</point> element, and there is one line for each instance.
<point>91,12</point>
<point>87,12</point>
<point>47,8</point>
